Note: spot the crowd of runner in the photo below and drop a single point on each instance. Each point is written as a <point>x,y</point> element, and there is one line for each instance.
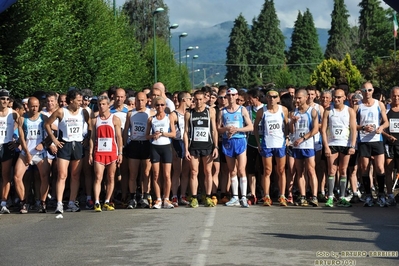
<point>153,149</point>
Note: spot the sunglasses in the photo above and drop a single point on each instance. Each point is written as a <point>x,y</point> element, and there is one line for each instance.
<point>272,96</point>
<point>369,90</point>
<point>231,95</point>
<point>338,97</point>
<point>222,97</point>
<point>161,104</point>
<point>4,99</point>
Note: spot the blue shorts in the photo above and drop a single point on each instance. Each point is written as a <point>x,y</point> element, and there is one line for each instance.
<point>234,147</point>
<point>178,145</point>
<point>303,153</point>
<point>269,152</point>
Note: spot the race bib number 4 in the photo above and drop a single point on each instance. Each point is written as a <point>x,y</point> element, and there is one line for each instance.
<point>104,145</point>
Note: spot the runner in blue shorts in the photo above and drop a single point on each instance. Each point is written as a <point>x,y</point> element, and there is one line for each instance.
<point>233,123</point>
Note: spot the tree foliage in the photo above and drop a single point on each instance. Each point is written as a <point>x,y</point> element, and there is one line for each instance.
<point>267,45</point>
<point>305,48</point>
<point>332,72</point>
<point>140,13</point>
<point>237,54</point>
<point>338,44</point>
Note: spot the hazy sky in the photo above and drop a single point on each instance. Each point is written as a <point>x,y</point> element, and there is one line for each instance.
<point>207,13</point>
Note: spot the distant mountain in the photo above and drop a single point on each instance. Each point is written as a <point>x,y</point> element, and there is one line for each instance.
<point>212,43</point>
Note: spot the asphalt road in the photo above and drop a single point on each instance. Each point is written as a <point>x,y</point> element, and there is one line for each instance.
<point>203,236</point>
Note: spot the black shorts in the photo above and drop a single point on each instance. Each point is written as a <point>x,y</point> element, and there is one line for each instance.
<point>353,159</point>
<point>178,145</point>
<point>5,153</point>
<point>253,158</point>
<point>221,158</point>
<point>200,153</point>
<point>138,150</point>
<point>340,149</point>
<point>289,152</point>
<point>71,151</point>
<point>161,153</point>
<point>392,151</point>
<point>368,149</point>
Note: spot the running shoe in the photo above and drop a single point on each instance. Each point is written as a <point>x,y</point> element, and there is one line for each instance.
<point>209,202</point>
<point>252,200</point>
<point>97,207</point>
<point>194,203</point>
<point>24,208</point>
<point>382,201</point>
<point>42,208</point>
<point>391,200</point>
<point>344,203</point>
<point>175,202</point>
<point>282,201</point>
<point>314,202</point>
<point>267,201</point>
<point>233,202</point>
<point>214,200</point>
<point>368,201</point>
<point>89,205</point>
<point>108,206</point>
<point>355,198</point>
<point>301,202</point>
<point>244,202</point>
<point>224,200</point>
<point>290,200</point>
<point>132,204</point>
<point>158,204</point>
<point>330,202</point>
<point>321,197</point>
<point>184,201</point>
<point>167,204</point>
<point>144,203</point>
<point>73,207</point>
<point>4,210</point>
<point>59,209</point>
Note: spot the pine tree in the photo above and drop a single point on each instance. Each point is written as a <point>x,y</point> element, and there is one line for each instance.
<point>305,48</point>
<point>237,54</point>
<point>140,13</point>
<point>267,45</point>
<point>338,41</point>
<point>375,32</point>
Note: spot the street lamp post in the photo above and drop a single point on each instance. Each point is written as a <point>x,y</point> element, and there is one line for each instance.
<point>192,68</point>
<point>182,35</point>
<point>158,10</point>
<point>188,49</point>
<point>172,27</point>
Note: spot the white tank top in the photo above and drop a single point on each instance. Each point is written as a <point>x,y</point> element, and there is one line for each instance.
<point>138,124</point>
<point>70,128</point>
<point>7,127</point>
<point>303,126</point>
<point>273,128</point>
<point>338,131</point>
<point>179,126</point>
<point>34,134</point>
<point>369,115</point>
<point>161,126</point>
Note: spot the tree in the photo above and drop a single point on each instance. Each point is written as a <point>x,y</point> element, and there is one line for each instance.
<point>375,33</point>
<point>237,54</point>
<point>305,48</point>
<point>332,72</point>
<point>338,44</point>
<point>140,13</point>
<point>267,45</point>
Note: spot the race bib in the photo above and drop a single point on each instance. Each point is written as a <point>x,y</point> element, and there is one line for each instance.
<point>394,125</point>
<point>201,134</point>
<point>273,128</point>
<point>104,145</point>
<point>340,132</point>
<point>138,129</point>
<point>74,131</point>
<point>3,132</point>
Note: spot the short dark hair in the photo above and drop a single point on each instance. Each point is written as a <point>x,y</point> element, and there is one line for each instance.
<point>181,95</point>
<point>72,94</point>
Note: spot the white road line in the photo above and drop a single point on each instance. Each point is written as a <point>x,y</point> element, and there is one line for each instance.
<point>200,258</point>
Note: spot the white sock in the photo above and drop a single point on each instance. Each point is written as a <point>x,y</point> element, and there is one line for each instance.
<point>243,186</point>
<point>234,186</point>
<point>106,201</point>
<point>97,202</point>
